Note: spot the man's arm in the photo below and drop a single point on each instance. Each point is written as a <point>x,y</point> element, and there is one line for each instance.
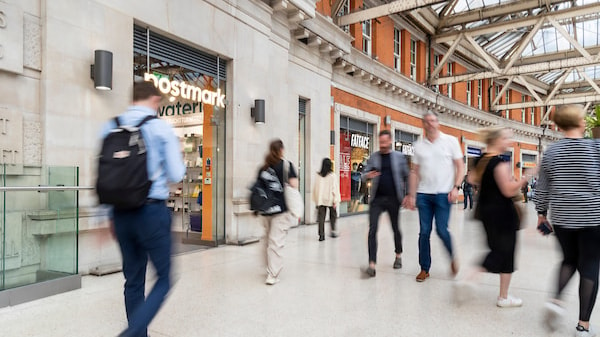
<point>413,182</point>
<point>459,168</point>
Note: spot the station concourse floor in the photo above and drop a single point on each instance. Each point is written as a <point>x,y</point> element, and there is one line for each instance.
<point>323,290</point>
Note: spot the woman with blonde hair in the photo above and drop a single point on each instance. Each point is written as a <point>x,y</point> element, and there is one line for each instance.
<point>326,194</point>
<point>569,188</point>
<point>277,172</point>
<point>496,209</point>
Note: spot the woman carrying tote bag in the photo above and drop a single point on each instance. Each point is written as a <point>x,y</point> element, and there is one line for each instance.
<point>326,194</point>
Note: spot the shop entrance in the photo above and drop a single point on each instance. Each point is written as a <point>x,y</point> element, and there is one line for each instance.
<point>194,106</point>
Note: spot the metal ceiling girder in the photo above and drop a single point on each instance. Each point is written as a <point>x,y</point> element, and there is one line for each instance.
<point>558,85</point>
<point>523,44</point>
<point>569,38</point>
<point>518,23</point>
<point>336,7</point>
<point>524,82</point>
<point>536,68</point>
<point>503,90</point>
<point>563,99</point>
<point>589,80</point>
<point>446,56</point>
<point>565,54</point>
<point>493,11</point>
<point>383,10</point>
<point>487,57</point>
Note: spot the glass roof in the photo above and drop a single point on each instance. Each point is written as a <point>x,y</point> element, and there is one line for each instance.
<point>547,40</point>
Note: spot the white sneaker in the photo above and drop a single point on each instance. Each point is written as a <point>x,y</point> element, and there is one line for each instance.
<point>585,333</point>
<point>509,302</point>
<point>271,280</point>
<point>553,316</point>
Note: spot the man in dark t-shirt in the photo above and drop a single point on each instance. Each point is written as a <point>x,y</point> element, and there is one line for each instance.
<point>388,171</point>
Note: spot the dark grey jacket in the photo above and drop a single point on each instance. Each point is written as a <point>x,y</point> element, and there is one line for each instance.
<point>400,172</point>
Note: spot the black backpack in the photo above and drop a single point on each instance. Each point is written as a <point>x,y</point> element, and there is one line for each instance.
<point>266,195</point>
<point>122,170</point>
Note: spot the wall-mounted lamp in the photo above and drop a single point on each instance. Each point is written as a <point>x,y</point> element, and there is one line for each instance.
<point>332,137</point>
<point>101,70</point>
<point>258,111</point>
<point>387,120</point>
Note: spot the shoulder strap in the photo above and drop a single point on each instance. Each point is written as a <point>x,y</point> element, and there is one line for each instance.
<point>285,171</point>
<point>117,121</point>
<point>147,118</point>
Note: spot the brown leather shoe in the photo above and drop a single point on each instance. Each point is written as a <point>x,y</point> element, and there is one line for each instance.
<point>422,276</point>
<point>454,268</point>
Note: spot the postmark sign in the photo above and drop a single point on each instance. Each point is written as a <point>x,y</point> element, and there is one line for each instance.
<point>11,38</point>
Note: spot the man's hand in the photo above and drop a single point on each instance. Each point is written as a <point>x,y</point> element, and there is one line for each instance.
<point>373,174</point>
<point>409,202</point>
<point>453,195</point>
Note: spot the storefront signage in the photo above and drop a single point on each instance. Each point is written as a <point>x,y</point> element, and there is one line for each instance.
<point>473,151</point>
<point>408,149</point>
<point>186,91</point>
<point>528,164</point>
<point>361,141</point>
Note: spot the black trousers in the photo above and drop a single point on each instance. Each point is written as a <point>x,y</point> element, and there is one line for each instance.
<point>581,253</point>
<point>321,218</point>
<point>468,196</point>
<point>378,206</point>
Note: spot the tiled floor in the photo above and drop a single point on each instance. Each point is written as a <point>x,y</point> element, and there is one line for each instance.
<point>323,292</point>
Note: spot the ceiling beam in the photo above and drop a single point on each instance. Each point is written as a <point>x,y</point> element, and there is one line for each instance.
<point>336,7</point>
<point>542,67</point>
<point>559,100</point>
<point>565,54</point>
<point>384,10</point>
<point>503,90</point>
<point>518,23</point>
<point>494,11</point>
<point>523,44</point>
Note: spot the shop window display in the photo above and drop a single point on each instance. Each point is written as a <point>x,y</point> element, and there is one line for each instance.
<point>355,149</point>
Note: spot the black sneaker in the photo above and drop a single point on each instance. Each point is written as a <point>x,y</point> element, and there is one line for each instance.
<point>398,263</point>
<point>370,271</point>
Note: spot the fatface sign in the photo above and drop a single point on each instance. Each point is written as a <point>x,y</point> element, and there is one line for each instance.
<point>186,91</point>
<point>359,141</point>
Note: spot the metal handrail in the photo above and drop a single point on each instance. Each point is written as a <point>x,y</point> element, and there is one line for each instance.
<point>44,188</point>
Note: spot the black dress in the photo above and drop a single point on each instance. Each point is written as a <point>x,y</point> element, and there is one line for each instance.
<point>500,220</point>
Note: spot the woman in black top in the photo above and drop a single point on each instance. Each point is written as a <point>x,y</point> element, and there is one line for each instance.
<point>496,209</point>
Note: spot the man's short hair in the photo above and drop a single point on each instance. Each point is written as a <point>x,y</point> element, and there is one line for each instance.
<point>143,90</point>
<point>385,133</point>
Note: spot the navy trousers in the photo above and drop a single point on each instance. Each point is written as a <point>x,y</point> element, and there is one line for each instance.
<point>143,234</point>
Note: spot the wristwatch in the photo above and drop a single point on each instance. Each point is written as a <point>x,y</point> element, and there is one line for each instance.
<point>457,187</point>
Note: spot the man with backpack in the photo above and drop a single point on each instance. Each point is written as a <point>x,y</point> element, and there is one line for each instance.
<point>141,220</point>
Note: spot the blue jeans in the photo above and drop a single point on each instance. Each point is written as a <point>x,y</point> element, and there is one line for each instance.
<point>144,233</point>
<point>430,206</point>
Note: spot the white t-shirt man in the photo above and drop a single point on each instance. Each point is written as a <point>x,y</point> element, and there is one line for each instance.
<point>436,163</point>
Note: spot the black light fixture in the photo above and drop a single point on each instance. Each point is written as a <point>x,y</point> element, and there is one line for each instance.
<point>258,111</point>
<point>332,137</point>
<point>101,70</point>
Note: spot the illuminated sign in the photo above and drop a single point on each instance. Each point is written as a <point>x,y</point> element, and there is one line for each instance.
<point>186,91</point>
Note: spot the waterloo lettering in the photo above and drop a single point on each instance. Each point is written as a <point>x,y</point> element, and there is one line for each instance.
<point>186,91</point>
<point>180,109</point>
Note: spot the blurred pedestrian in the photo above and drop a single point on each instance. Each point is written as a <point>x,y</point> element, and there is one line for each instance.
<point>326,195</point>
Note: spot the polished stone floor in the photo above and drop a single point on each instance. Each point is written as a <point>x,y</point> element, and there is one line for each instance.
<point>323,291</point>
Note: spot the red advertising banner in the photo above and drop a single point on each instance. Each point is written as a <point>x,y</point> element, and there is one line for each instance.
<point>345,166</point>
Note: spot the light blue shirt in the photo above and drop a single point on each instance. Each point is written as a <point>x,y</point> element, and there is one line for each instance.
<point>164,160</point>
